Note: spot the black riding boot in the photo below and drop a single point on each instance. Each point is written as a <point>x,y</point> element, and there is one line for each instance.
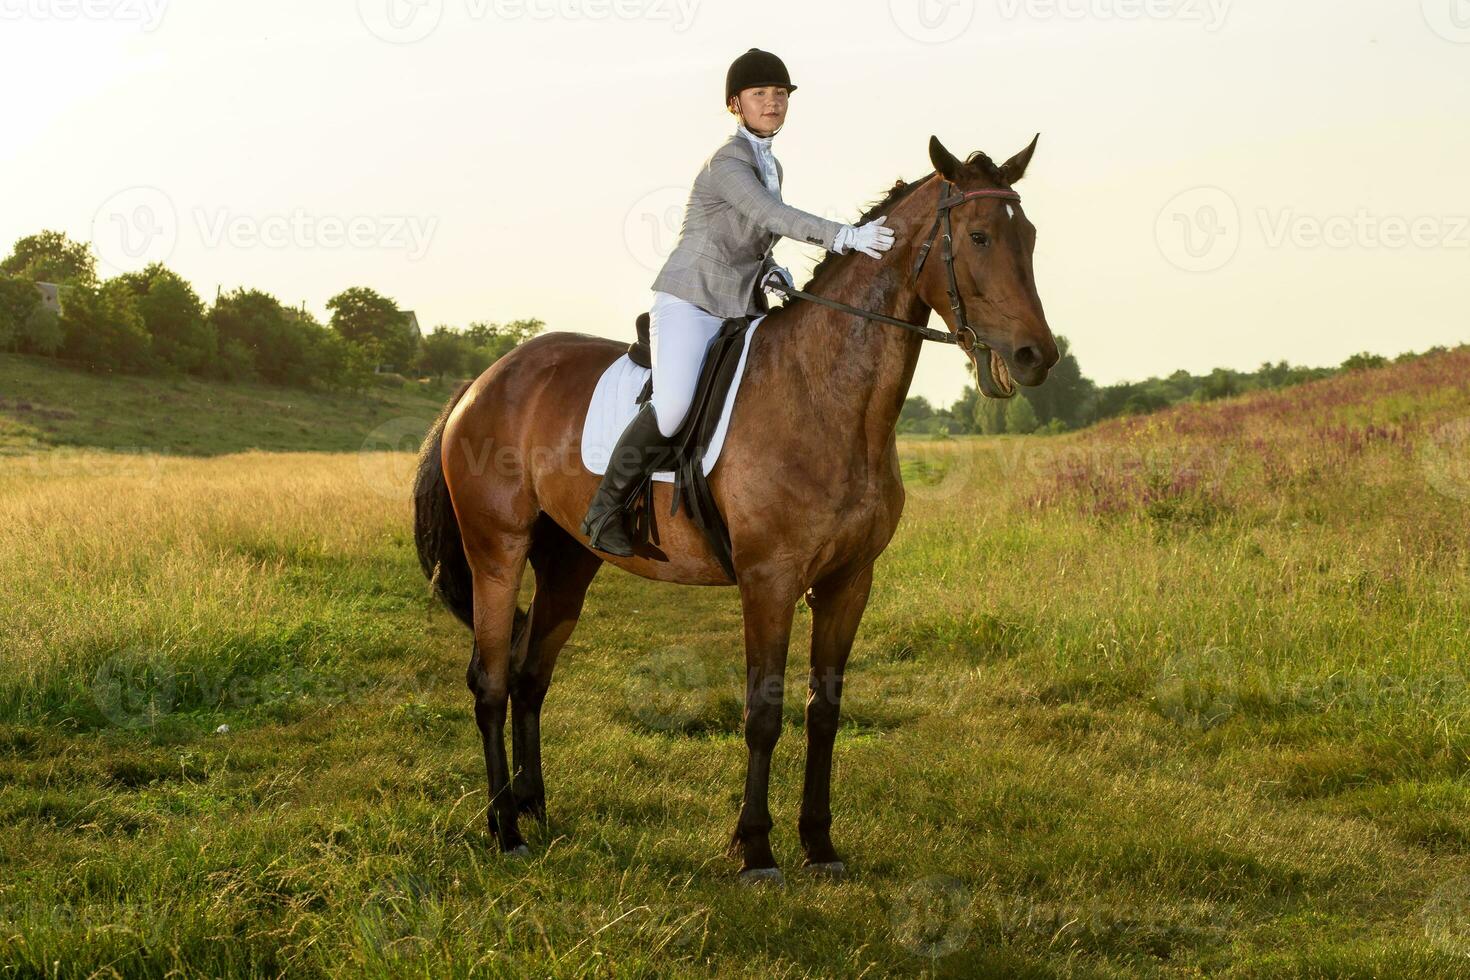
<point>639,451</point>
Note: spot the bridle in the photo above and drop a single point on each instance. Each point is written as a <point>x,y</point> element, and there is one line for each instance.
<point>964,335</point>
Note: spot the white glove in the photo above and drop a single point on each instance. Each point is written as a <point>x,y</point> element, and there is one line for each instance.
<point>779,276</point>
<point>871,239</point>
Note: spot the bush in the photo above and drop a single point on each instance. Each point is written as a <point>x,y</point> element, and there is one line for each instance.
<point>1020,416</point>
<point>18,298</point>
<point>103,331</point>
<point>41,332</point>
<point>234,362</point>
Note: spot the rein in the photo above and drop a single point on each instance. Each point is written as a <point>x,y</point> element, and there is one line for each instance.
<point>964,336</point>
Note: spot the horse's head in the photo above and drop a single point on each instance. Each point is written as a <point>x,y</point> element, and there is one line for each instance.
<point>992,242</point>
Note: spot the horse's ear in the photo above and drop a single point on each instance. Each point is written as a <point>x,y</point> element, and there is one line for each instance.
<point>943,160</point>
<point>1015,168</point>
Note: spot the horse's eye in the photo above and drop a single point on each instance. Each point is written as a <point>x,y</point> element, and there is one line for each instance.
<point>980,238</point>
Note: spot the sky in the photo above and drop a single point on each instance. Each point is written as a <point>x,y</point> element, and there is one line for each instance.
<point>1218,183</point>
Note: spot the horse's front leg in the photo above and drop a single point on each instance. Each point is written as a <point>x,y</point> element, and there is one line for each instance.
<point>837,608</point>
<point>768,608</point>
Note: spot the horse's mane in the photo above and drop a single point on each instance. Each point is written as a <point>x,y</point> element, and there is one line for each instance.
<point>977,165</point>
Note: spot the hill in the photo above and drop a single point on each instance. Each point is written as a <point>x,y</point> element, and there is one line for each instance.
<point>45,404</point>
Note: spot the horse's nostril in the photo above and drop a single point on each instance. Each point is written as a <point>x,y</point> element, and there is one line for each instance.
<point>1027,357</point>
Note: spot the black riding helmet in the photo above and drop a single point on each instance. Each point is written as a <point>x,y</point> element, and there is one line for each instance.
<point>753,69</point>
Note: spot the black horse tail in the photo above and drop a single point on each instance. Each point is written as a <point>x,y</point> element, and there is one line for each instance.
<point>435,528</point>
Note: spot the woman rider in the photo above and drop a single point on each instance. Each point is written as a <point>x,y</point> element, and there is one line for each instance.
<point>716,271</point>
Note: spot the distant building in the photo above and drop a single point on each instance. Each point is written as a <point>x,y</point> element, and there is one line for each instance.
<point>411,322</point>
<point>50,296</point>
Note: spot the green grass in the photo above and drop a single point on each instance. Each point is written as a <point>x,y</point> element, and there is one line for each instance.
<point>1181,695</point>
<point>48,404</point>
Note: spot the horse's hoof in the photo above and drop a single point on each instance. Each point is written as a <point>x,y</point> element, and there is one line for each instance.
<point>761,876</point>
<point>831,869</point>
<point>518,852</point>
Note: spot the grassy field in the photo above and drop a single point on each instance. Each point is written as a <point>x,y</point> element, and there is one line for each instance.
<point>1179,695</point>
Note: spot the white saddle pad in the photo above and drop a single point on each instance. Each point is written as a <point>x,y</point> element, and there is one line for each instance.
<point>614,404</point>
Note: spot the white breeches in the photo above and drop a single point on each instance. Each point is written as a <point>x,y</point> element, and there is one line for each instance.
<point>679,334</point>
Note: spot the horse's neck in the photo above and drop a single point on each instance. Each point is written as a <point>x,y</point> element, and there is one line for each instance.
<point>857,371</point>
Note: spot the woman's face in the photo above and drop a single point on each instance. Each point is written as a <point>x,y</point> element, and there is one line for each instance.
<point>763,109</point>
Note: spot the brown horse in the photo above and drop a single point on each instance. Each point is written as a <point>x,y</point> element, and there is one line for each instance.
<point>808,483</point>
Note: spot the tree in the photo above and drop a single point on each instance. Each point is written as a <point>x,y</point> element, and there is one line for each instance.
<point>51,257</point>
<point>444,351</point>
<point>915,408</point>
<point>489,342</point>
<point>964,409</point>
<point>1020,416</point>
<point>374,323</point>
<point>103,330</point>
<point>257,323</point>
<point>1364,360</point>
<point>174,317</point>
<point>990,416</point>
<point>18,297</point>
<point>1065,394</point>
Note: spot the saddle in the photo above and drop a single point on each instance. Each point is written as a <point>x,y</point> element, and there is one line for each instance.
<point>691,441</point>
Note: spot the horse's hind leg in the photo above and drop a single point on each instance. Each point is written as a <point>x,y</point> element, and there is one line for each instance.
<point>496,562</point>
<point>564,570</point>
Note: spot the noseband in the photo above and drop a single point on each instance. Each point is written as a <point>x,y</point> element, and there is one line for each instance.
<point>964,336</point>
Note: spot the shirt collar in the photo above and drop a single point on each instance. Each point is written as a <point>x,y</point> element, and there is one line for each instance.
<point>762,142</point>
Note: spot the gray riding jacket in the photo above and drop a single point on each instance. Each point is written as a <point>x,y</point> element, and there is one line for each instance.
<point>731,223</point>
